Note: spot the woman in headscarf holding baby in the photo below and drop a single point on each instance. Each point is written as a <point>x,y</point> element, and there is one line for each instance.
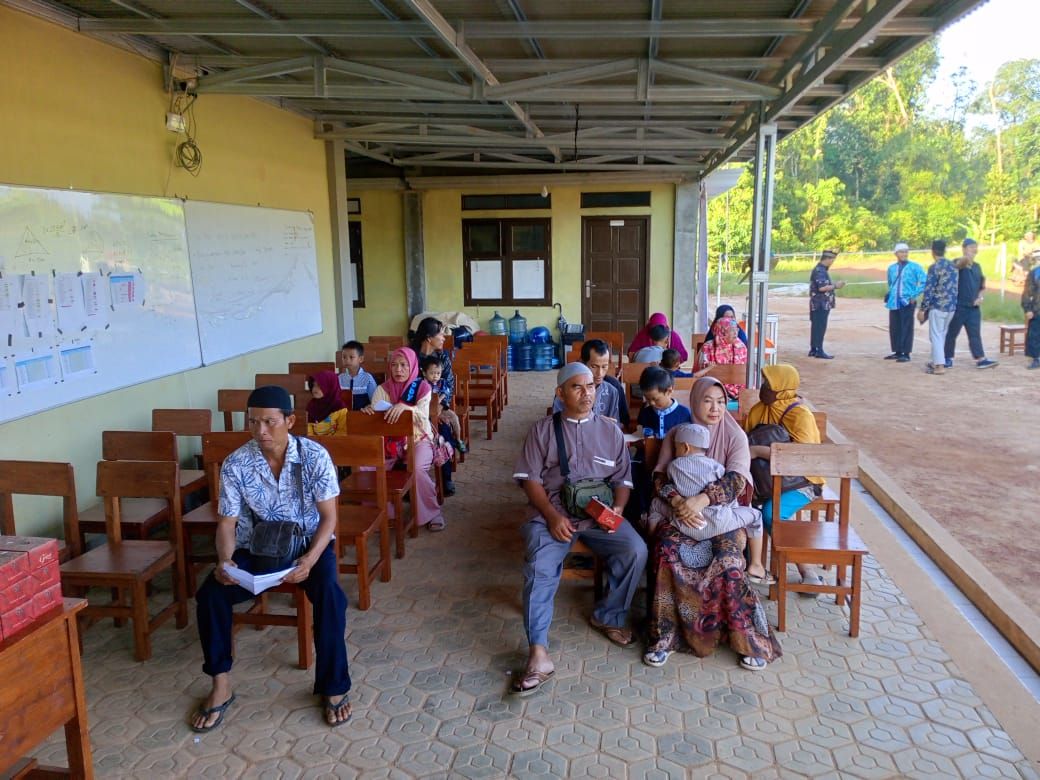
<point>701,595</point>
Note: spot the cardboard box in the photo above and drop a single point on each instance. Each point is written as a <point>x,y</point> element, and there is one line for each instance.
<point>41,550</point>
<point>14,620</point>
<point>13,566</point>
<point>46,600</point>
<point>17,593</point>
<point>605,517</point>
<point>46,576</point>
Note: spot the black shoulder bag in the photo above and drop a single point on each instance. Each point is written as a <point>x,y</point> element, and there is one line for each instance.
<point>577,495</point>
<point>762,436</point>
<point>276,544</point>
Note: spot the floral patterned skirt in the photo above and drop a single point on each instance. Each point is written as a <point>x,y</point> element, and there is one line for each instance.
<point>702,598</point>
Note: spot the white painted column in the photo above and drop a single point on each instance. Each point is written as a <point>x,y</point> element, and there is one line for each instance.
<point>336,171</point>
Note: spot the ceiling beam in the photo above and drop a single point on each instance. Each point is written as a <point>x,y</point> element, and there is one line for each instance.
<point>566,29</point>
<point>701,76</point>
<point>471,141</point>
<point>266,70</point>
<point>390,76</point>
<point>432,17</point>
<point>559,78</point>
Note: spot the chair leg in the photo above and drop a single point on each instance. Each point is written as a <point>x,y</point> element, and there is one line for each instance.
<point>413,520</point>
<point>398,530</point>
<point>142,631</point>
<point>364,590</point>
<point>781,592</point>
<point>189,566</point>
<point>857,592</point>
<point>179,593</point>
<point>304,629</point>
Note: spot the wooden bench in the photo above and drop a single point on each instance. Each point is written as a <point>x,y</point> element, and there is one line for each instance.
<point>1012,337</point>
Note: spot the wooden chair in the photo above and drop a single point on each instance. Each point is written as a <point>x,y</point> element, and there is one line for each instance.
<point>39,478</point>
<point>301,618</point>
<point>185,423</point>
<point>729,374</point>
<point>202,521</point>
<point>827,543</point>
<point>484,380</point>
<point>449,343</point>
<point>583,564</point>
<point>358,522</point>
<point>310,369</point>
<point>696,342</point>
<point>377,359</point>
<point>228,403</point>
<point>294,384</point>
<point>681,387</point>
<point>130,565</point>
<point>361,485</point>
<point>616,341</point>
<point>630,373</point>
<point>463,368</point>
<point>502,342</point>
<point>140,517</point>
<point>574,356</point>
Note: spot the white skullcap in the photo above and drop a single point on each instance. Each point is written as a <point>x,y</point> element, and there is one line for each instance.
<point>572,370</point>
<point>901,247</point>
<point>691,433</point>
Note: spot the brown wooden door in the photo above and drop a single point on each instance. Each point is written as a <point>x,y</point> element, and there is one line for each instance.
<point>614,252</point>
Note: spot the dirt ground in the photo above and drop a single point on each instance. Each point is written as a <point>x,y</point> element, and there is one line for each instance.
<point>966,445</point>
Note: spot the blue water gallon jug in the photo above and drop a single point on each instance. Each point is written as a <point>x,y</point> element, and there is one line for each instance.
<point>524,359</point>
<point>497,325</point>
<point>517,328</point>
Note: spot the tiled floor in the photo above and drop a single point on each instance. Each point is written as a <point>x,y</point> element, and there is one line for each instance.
<point>433,658</point>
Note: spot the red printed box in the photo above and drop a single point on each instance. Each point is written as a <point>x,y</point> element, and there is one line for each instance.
<point>605,517</point>
<point>13,566</point>
<point>17,593</point>
<point>46,576</point>
<point>16,619</point>
<point>41,551</point>
<point>47,599</point>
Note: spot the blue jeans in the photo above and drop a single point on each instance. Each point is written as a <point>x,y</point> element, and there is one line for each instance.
<point>790,502</point>
<point>625,554</point>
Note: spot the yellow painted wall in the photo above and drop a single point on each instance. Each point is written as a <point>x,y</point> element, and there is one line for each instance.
<point>442,244</point>
<point>382,252</point>
<point>84,115</point>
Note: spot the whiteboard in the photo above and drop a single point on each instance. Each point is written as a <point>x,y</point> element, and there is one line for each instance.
<point>255,275</point>
<point>95,295</point>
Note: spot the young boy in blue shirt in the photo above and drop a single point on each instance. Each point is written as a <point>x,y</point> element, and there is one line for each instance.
<point>661,412</point>
<point>670,361</point>
<point>354,378</point>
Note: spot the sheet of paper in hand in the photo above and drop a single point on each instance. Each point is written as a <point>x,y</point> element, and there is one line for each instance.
<point>381,406</point>
<point>256,583</point>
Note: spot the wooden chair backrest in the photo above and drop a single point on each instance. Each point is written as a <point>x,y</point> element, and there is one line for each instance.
<point>310,369</point>
<point>360,451</point>
<point>651,452</point>
<point>485,361</point>
<point>435,411</point>
<point>183,422</point>
<point>392,342</point>
<point>574,353</point>
<point>293,384</point>
<point>463,374</point>
<point>630,372</point>
<point>229,402</point>
<point>729,374</point>
<point>216,446</point>
<point>818,460</point>
<point>347,397</point>
<point>748,398</point>
<point>361,424</point>
<point>119,479</point>
<point>696,342</point>
<point>39,478</point>
<point>449,343</point>
<point>139,445</point>
<point>821,425</point>
<point>682,387</point>
<point>300,426</point>
<point>499,342</point>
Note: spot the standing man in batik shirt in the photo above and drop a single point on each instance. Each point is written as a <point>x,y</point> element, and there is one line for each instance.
<point>938,305</point>
<point>821,301</point>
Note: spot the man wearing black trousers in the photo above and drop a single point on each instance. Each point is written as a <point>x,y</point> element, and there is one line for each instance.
<point>905,282</point>
<point>821,301</point>
<point>970,284</point>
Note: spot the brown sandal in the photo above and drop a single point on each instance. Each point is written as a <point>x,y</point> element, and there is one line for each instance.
<point>620,636</point>
<point>541,678</point>
<point>334,708</point>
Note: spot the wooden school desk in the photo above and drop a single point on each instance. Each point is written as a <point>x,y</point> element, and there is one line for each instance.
<point>43,689</point>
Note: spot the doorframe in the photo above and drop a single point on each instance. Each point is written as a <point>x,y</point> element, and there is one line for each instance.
<point>646,261</point>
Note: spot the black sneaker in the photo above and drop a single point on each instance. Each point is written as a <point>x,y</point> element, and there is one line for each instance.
<point>823,355</point>
<point>949,363</point>
<point>893,356</point>
<point>903,359</point>
<point>812,353</point>
<point>987,363</point>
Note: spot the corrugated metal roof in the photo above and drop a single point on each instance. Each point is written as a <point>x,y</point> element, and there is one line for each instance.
<point>475,87</point>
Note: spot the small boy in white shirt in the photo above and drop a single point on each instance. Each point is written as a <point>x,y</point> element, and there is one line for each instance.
<point>354,378</point>
<point>691,471</point>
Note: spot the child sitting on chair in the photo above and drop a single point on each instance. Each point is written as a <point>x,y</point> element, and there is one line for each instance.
<point>354,377</point>
<point>671,361</point>
<point>691,471</point>
<point>449,430</point>
<point>661,337</point>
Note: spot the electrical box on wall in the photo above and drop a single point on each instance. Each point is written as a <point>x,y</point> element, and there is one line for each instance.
<point>175,122</point>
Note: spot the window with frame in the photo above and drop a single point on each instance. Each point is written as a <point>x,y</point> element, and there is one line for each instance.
<point>357,265</point>
<point>507,262</point>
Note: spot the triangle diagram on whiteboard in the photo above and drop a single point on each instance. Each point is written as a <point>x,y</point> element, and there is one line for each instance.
<point>30,245</point>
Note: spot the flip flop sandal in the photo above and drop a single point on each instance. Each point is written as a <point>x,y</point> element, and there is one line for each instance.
<point>435,525</point>
<point>753,664</point>
<point>204,714</point>
<point>331,708</point>
<point>540,678</point>
<point>766,579</point>
<point>621,637</point>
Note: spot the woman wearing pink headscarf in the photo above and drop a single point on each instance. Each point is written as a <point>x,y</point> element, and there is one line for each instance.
<point>725,348</point>
<point>701,594</point>
<point>405,390</point>
<point>642,338</point>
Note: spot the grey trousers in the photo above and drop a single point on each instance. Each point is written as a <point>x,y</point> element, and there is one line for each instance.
<point>938,324</point>
<point>624,552</point>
